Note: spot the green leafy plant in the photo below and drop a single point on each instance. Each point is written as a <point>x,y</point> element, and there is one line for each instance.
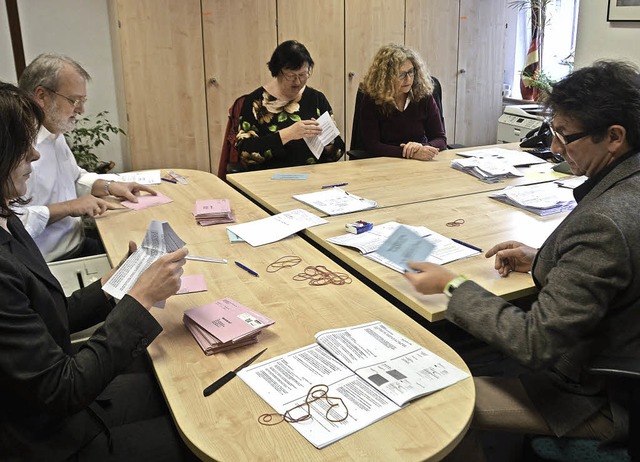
<point>539,79</point>
<point>87,136</point>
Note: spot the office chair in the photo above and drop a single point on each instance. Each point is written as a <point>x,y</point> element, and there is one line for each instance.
<point>229,159</point>
<point>356,148</point>
<point>627,374</point>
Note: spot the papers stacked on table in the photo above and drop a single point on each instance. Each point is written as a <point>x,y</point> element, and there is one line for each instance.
<point>212,212</point>
<point>224,324</point>
<point>510,156</point>
<point>445,250</point>
<point>541,199</point>
<point>336,201</point>
<point>487,169</point>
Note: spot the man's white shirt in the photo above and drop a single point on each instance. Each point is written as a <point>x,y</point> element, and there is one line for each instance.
<point>55,177</point>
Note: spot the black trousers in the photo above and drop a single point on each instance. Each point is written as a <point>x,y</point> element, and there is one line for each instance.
<point>140,427</point>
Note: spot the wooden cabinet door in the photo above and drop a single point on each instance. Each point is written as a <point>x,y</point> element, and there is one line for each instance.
<point>160,46</point>
<point>319,25</point>
<point>480,69</point>
<point>432,30</point>
<point>369,24</point>
<point>239,38</point>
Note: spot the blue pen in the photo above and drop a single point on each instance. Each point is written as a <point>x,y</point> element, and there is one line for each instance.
<point>334,185</point>
<point>467,245</point>
<point>248,270</point>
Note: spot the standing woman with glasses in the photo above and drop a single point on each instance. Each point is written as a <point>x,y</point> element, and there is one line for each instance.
<point>399,116</point>
<point>277,116</point>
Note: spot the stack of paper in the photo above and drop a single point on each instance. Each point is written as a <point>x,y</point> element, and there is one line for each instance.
<point>444,249</point>
<point>488,169</point>
<point>511,156</point>
<point>212,212</point>
<point>336,201</point>
<point>371,368</point>
<point>542,199</point>
<point>224,324</point>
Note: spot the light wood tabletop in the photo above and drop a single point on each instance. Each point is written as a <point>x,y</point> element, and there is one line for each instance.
<point>388,181</point>
<point>486,222</point>
<point>224,425</point>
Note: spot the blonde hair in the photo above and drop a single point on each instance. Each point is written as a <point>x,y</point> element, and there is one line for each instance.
<point>380,82</point>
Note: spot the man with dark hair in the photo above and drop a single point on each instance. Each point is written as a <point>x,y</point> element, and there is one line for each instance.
<point>588,305</point>
<point>62,193</point>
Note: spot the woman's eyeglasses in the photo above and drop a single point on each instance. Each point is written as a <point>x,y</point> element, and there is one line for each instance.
<point>302,77</point>
<point>410,73</point>
<point>75,102</point>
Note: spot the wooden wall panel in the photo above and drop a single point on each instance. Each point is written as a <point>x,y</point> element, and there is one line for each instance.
<point>239,38</point>
<point>162,74</point>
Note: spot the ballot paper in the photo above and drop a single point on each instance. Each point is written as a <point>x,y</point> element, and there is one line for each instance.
<point>140,177</point>
<point>446,250</point>
<point>510,156</point>
<point>542,199</point>
<point>159,240</point>
<point>405,245</point>
<point>336,201</point>
<point>275,227</point>
<point>487,169</point>
<point>373,369</point>
<point>329,133</point>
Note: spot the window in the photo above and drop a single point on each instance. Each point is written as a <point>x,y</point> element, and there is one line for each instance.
<point>557,47</point>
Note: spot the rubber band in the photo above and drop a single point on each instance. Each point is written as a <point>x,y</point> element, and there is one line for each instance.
<point>287,261</point>
<point>315,393</point>
<point>321,276</point>
<point>456,222</point>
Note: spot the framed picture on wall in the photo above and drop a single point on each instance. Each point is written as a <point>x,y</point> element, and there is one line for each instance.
<point>623,10</point>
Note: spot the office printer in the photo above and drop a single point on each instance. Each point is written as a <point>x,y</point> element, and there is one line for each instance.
<point>517,120</point>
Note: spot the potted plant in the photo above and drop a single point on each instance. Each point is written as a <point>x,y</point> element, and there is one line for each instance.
<point>87,136</point>
<point>539,81</point>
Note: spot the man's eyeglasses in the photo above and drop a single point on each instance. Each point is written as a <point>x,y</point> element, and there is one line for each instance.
<point>410,73</point>
<point>566,139</point>
<point>303,77</point>
<point>75,102</point>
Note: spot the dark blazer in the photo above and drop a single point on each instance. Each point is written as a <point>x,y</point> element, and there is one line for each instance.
<point>45,389</point>
<point>588,273</point>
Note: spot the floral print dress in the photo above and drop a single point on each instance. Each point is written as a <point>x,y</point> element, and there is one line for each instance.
<point>258,142</point>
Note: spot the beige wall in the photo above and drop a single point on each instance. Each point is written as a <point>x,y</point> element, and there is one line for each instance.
<point>598,39</point>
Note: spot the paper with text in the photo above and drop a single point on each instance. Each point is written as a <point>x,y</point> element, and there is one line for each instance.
<point>159,240</point>
<point>335,201</point>
<point>359,364</point>
<point>329,133</point>
<point>404,245</point>
<point>276,227</point>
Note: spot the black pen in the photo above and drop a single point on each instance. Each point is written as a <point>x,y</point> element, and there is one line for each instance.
<point>248,270</point>
<point>334,185</point>
<point>169,180</point>
<point>467,245</point>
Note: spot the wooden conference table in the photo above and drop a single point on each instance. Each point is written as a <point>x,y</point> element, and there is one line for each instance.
<point>386,180</point>
<point>224,425</point>
<point>429,194</point>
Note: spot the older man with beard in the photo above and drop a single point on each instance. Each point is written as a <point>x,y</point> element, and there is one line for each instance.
<point>61,192</point>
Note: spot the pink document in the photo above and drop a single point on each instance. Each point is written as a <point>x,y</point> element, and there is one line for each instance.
<point>192,283</point>
<point>146,201</point>
<point>228,320</point>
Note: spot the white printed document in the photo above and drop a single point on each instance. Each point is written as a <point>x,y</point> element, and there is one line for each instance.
<point>329,133</point>
<point>542,199</point>
<point>275,227</point>
<point>445,250</point>
<point>371,367</point>
<point>336,201</point>
<point>511,156</point>
<point>140,177</point>
<point>159,240</point>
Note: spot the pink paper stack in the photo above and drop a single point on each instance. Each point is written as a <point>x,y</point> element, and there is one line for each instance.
<point>224,324</point>
<point>213,211</point>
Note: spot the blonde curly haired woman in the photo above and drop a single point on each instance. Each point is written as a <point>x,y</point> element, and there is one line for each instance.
<point>399,116</point>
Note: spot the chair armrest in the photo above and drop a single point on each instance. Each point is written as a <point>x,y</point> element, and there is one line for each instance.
<point>356,154</point>
<point>618,367</point>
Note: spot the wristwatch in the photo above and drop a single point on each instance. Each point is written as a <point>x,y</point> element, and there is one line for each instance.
<point>106,187</point>
<point>453,285</point>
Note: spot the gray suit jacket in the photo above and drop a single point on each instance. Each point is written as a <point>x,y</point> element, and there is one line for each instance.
<point>45,389</point>
<point>588,273</point>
